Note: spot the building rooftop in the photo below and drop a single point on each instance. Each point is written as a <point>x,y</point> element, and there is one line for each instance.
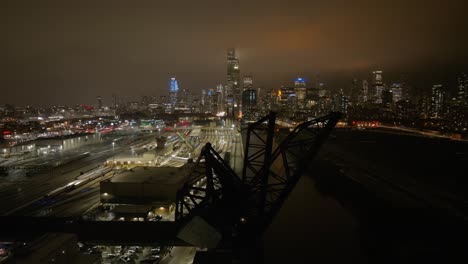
<point>195,132</point>
<point>144,185</point>
<point>160,175</point>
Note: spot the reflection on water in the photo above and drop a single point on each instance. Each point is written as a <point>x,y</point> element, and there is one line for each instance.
<point>312,228</point>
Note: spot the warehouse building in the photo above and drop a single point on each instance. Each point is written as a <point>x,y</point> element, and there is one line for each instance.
<point>155,187</point>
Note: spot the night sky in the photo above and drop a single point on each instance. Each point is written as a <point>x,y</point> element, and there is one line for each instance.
<point>71,51</point>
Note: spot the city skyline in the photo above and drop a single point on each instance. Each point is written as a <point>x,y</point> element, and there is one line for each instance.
<point>450,86</point>
<point>71,53</point>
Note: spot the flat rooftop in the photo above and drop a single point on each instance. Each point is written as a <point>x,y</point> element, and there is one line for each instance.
<point>195,132</point>
<point>158,175</point>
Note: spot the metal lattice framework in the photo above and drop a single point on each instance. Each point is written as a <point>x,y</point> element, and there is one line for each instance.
<point>210,179</point>
<point>257,156</point>
<point>257,152</point>
<point>268,175</point>
<point>271,182</point>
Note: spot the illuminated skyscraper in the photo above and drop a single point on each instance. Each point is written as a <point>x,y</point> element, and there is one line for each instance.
<point>377,78</point>
<point>287,100</point>
<point>220,89</point>
<point>300,91</point>
<point>322,92</point>
<point>249,99</point>
<point>437,101</point>
<point>203,96</point>
<point>249,104</point>
<point>300,82</point>
<point>397,92</point>
<point>378,86</point>
<point>354,92</point>
<point>174,86</point>
<point>184,97</point>
<point>210,101</point>
<point>365,91</point>
<point>405,87</point>
<point>173,90</point>
<point>247,82</point>
<point>462,89</point>
<point>233,92</point>
<point>221,98</point>
<point>340,103</point>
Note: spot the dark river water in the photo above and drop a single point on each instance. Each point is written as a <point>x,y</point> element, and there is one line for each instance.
<point>409,208</point>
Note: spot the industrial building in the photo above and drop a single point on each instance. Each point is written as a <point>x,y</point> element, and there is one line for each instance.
<point>155,186</point>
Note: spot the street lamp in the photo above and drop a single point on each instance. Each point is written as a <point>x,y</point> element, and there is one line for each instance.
<point>113,154</point>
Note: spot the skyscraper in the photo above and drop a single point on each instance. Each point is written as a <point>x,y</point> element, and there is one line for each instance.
<point>354,92</point>
<point>173,90</point>
<point>405,87</point>
<point>99,101</point>
<point>322,92</point>
<point>387,97</point>
<point>462,89</point>
<point>203,96</point>
<point>365,91</point>
<point>377,78</point>
<point>340,103</point>
<point>300,82</point>
<point>287,100</point>
<point>377,85</point>
<point>249,103</point>
<point>397,92</point>
<point>300,90</point>
<point>233,92</point>
<point>437,101</point>
<point>221,98</point>
<point>247,82</point>
<point>259,93</point>
<point>209,103</point>
<point>114,102</point>
<point>184,97</point>
<point>220,89</point>
<point>174,85</point>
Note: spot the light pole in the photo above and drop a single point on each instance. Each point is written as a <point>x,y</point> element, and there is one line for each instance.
<point>113,154</point>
